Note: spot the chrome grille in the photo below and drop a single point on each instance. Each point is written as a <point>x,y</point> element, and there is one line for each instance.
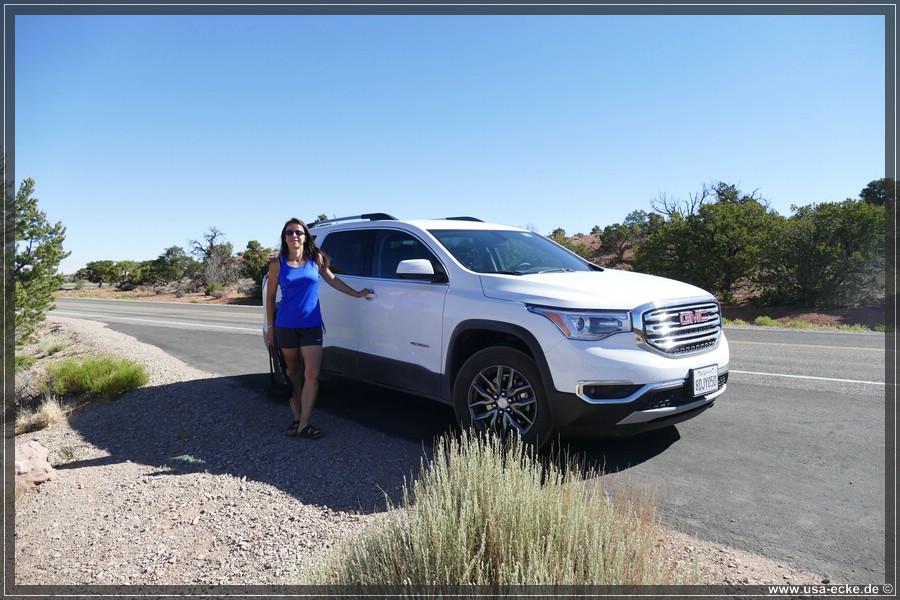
<point>683,329</point>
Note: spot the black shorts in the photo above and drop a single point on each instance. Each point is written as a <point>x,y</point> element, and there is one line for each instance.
<point>295,337</point>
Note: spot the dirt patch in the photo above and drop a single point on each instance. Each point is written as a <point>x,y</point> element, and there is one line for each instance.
<point>869,317</point>
<point>230,295</point>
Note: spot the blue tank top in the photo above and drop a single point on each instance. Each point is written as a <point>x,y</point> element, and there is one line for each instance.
<point>299,306</point>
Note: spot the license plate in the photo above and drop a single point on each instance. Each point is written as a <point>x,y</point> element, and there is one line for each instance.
<point>705,380</point>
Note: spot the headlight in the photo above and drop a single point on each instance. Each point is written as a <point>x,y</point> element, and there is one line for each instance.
<point>587,324</point>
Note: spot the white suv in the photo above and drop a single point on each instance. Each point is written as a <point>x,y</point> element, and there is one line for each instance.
<point>515,331</point>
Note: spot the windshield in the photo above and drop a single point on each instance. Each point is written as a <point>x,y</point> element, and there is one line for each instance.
<point>510,252</point>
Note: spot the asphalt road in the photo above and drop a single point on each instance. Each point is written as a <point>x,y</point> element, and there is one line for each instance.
<point>789,463</point>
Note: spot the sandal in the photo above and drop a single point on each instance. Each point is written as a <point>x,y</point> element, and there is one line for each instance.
<point>292,429</point>
<point>310,432</point>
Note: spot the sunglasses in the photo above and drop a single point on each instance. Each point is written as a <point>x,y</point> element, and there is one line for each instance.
<point>297,232</point>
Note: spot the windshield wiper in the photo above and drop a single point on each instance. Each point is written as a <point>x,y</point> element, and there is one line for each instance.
<point>562,270</point>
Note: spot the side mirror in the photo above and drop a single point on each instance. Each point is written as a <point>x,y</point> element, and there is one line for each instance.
<point>416,268</point>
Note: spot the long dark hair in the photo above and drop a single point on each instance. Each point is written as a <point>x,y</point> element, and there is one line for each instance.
<point>310,250</point>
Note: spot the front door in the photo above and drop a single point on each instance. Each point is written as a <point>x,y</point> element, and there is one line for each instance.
<point>401,343</point>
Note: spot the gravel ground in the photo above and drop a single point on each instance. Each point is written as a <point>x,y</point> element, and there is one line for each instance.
<point>190,481</point>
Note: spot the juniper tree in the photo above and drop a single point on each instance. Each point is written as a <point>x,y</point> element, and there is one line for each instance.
<point>39,251</point>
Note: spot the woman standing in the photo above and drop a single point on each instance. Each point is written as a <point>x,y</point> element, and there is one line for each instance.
<point>297,327</point>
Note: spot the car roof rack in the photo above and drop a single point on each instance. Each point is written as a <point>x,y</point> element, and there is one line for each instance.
<point>474,219</point>
<point>365,217</point>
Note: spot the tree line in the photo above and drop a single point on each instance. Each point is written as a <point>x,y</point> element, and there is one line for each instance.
<point>827,255</point>
<point>728,242</point>
<point>210,264</point>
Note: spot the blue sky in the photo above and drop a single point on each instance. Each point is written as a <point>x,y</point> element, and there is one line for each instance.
<point>143,131</point>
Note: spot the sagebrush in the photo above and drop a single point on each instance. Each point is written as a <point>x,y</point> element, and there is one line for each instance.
<point>487,512</point>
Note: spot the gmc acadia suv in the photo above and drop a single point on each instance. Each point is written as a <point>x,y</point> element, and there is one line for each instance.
<point>516,332</point>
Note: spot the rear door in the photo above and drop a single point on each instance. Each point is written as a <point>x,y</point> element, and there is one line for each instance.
<point>348,251</point>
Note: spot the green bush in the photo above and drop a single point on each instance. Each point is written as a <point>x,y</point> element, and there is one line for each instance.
<point>827,255</point>
<point>718,247</point>
<point>23,362</point>
<point>212,288</point>
<point>767,322</point>
<point>491,513</point>
<point>106,376</point>
<point>860,328</point>
<point>802,325</point>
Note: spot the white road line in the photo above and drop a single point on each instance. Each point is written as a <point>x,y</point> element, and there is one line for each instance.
<point>103,317</point>
<point>809,377</point>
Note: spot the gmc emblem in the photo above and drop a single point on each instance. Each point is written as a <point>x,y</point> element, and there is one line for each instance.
<point>689,317</point>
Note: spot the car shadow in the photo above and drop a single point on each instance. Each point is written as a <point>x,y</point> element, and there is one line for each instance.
<point>613,455</point>
<point>375,441</point>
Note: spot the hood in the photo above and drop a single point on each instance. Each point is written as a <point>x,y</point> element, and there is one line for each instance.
<point>607,289</point>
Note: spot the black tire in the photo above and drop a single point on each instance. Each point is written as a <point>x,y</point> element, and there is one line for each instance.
<point>500,389</point>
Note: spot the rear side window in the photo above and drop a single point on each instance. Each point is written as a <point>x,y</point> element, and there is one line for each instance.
<point>347,250</point>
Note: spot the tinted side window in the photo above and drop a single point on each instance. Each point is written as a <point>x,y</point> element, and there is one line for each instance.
<point>347,250</point>
<point>391,247</point>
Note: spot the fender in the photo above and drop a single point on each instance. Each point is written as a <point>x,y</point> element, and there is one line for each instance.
<point>499,328</point>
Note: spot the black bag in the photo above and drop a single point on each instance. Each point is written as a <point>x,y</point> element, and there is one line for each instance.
<point>281,386</point>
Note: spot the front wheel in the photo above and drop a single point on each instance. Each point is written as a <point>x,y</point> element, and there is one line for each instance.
<point>500,389</point>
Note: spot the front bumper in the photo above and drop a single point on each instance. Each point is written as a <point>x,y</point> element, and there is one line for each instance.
<point>649,407</point>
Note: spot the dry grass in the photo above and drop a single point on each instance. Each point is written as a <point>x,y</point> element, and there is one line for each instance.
<point>492,513</point>
<point>51,345</point>
<point>47,414</point>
